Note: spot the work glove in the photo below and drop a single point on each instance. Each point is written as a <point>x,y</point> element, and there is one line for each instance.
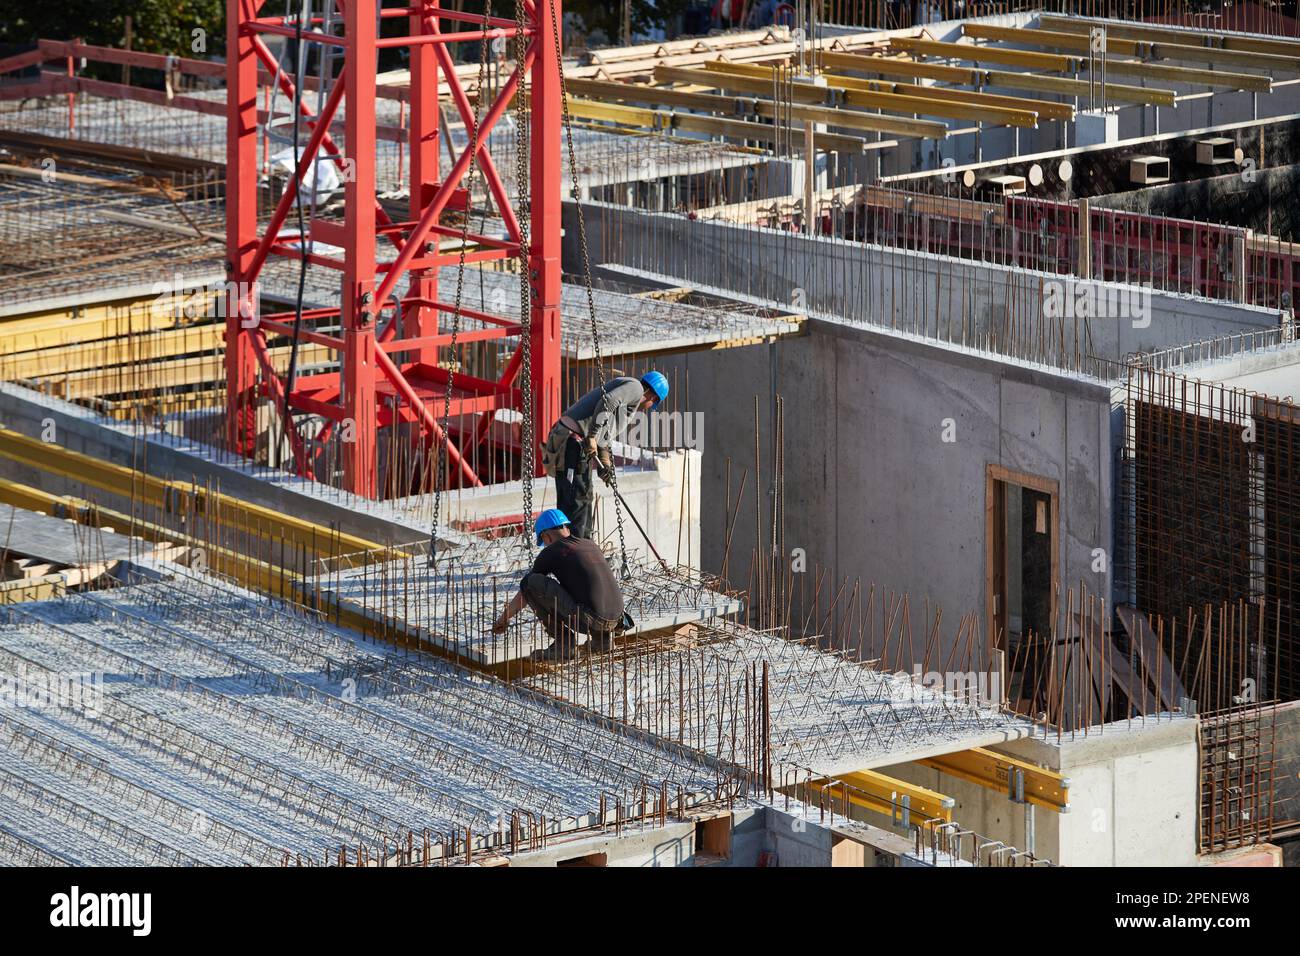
<point>605,466</point>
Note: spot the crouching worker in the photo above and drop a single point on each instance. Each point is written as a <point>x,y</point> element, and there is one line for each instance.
<point>571,589</point>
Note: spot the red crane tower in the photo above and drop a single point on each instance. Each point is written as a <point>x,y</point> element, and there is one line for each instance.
<point>373,389</point>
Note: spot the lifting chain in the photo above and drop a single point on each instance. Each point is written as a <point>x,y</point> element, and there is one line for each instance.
<point>471,176</point>
<point>527,438</point>
<point>586,274</point>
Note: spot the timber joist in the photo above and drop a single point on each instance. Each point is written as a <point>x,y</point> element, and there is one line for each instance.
<point>897,98</point>
<point>249,571</point>
<point>1060,63</point>
<point>178,497</point>
<point>905,802</point>
<point>1182,37</point>
<point>1001,79</point>
<point>1015,778</point>
<point>1143,49</point>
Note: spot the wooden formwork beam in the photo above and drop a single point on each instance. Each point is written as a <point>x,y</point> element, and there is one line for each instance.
<point>1059,63</point>
<point>177,497</point>
<point>1207,38</point>
<point>1067,86</point>
<point>1251,82</point>
<point>247,570</point>
<point>897,102</point>
<point>719,79</point>
<point>105,354</point>
<point>155,376</point>
<point>84,324</point>
<point>968,76</point>
<point>969,52</point>
<point>1079,42</point>
<point>897,66</point>
<point>1046,109</point>
<point>642,118</point>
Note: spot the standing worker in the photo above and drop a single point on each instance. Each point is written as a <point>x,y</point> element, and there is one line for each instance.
<point>570,588</point>
<point>585,432</point>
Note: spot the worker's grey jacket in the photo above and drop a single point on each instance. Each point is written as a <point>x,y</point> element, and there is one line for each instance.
<point>603,415</point>
<point>606,414</point>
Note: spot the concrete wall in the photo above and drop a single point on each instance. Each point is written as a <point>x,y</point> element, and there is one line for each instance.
<point>1134,793</point>
<point>1272,371</point>
<point>953,300</point>
<point>872,489</point>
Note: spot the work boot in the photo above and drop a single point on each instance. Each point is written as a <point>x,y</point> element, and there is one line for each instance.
<point>558,651</point>
<point>600,642</point>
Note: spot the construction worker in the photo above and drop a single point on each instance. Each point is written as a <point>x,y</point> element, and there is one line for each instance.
<point>570,588</point>
<point>584,434</point>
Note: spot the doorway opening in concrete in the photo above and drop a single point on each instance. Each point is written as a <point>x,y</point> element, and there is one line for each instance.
<point>591,859</point>
<point>713,839</point>
<point>1022,542</point>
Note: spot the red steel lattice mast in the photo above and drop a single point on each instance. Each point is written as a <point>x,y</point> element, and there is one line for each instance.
<point>374,388</point>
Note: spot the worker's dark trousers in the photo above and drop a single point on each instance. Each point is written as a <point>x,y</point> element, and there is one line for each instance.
<point>575,495</point>
<point>562,616</point>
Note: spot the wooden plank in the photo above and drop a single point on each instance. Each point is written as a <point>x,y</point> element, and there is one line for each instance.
<point>969,52</point>
<point>895,66</point>
<point>1068,86</point>
<point>1151,658</point>
<point>730,79</point>
<point>1251,82</point>
<point>1209,38</point>
<point>763,132</point>
<point>904,99</point>
<point>1080,41</point>
<point>160,375</point>
<point>1045,109</point>
<point>112,352</point>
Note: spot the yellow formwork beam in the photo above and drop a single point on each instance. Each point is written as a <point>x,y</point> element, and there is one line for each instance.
<point>746,77</point>
<point>895,66</point>
<point>1252,82</point>
<point>968,76</point>
<point>935,106</point>
<point>1068,86</point>
<point>131,409</point>
<point>125,350</point>
<point>154,376</point>
<point>32,589</point>
<point>1123,46</point>
<point>177,496</point>
<point>248,571</point>
<point>1059,63</point>
<point>1006,111</point>
<point>760,84</point>
<point>652,119</point>
<point>1044,788</point>
<point>1045,109</point>
<point>874,791</point>
<point>87,324</point>
<point>969,52</point>
<point>1207,38</point>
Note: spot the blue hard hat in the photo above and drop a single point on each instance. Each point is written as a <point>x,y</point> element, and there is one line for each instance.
<point>657,383</point>
<point>549,520</point>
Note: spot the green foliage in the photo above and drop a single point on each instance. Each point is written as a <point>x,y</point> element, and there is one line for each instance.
<point>158,26</point>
